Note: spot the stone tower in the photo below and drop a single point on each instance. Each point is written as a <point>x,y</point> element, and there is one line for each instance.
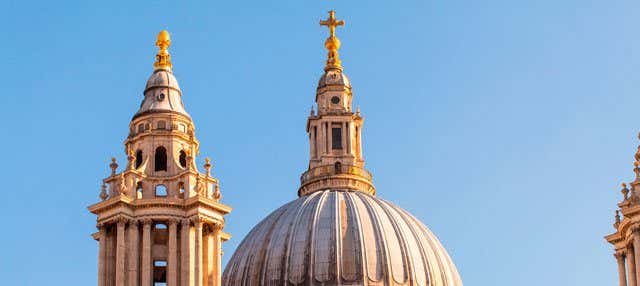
<point>335,130</point>
<point>160,220</point>
<point>626,238</point>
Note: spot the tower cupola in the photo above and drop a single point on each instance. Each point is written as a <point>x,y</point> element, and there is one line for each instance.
<point>162,92</point>
<point>335,130</point>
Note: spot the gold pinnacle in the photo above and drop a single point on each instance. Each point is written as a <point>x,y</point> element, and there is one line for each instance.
<point>332,43</point>
<point>163,58</point>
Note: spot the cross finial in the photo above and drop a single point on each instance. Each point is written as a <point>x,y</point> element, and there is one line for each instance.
<point>332,23</point>
<point>332,43</point>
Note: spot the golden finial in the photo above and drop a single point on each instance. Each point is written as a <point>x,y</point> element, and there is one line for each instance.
<point>332,43</point>
<point>163,58</point>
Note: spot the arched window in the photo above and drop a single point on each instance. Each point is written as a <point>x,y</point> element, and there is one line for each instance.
<point>161,159</point>
<point>160,226</point>
<point>140,127</point>
<point>161,191</point>
<point>162,124</point>
<point>138,158</point>
<point>183,159</point>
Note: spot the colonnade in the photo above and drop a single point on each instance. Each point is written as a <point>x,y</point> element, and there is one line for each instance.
<point>192,259</point>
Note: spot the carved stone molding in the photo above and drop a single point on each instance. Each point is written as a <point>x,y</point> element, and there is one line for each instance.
<point>122,221</point>
<point>173,221</point>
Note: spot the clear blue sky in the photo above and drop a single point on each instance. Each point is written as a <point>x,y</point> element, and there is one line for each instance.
<point>505,126</point>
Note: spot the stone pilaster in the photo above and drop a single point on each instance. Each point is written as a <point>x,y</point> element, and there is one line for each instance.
<point>208,257</point>
<point>134,254</point>
<point>146,253</point>
<point>172,260</point>
<point>185,263</point>
<point>102,255</point>
<point>121,250</point>
<point>217,254</point>
<point>198,251</point>
<point>619,255</point>
<point>631,267</point>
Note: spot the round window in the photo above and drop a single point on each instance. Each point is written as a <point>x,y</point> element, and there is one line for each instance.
<point>161,97</point>
<point>335,100</point>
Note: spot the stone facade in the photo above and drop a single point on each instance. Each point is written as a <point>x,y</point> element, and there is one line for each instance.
<point>160,219</point>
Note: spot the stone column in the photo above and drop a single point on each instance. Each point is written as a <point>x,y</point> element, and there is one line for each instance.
<point>207,260</point>
<point>217,254</point>
<point>172,260</point>
<point>185,252</point>
<point>344,135</point>
<point>102,255</point>
<point>121,250</point>
<point>631,268</point>
<point>198,252</point>
<point>619,255</point>
<point>327,137</point>
<point>146,253</point>
<point>134,254</point>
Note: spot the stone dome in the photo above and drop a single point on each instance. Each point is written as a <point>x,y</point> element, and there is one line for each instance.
<point>162,94</point>
<point>340,238</point>
<point>334,77</point>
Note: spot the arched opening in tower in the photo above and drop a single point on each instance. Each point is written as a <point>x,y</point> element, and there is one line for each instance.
<point>161,159</point>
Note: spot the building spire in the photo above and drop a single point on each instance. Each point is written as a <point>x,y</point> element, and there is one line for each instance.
<point>163,58</point>
<point>332,43</point>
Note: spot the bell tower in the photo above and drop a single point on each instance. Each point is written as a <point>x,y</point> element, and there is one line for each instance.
<point>335,139</point>
<point>160,219</point>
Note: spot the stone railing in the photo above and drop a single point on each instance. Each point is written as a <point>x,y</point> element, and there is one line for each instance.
<point>336,177</point>
<point>330,170</point>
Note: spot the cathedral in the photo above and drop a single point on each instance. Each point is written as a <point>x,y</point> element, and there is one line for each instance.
<point>161,220</point>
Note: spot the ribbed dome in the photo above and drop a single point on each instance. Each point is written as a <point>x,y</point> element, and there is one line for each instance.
<point>340,238</point>
<point>162,94</point>
<point>334,77</point>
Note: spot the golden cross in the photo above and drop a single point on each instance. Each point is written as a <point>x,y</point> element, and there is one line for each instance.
<point>332,23</point>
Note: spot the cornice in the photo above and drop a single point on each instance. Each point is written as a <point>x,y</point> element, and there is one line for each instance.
<point>174,203</point>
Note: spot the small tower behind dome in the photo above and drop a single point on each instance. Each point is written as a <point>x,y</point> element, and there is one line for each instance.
<point>160,219</point>
<point>335,138</point>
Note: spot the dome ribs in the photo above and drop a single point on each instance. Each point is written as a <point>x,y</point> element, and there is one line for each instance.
<point>374,246</point>
<point>299,246</point>
<point>393,241</point>
<point>413,251</point>
<point>339,237</point>
<point>279,246</point>
<point>323,248</point>
<point>350,242</point>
